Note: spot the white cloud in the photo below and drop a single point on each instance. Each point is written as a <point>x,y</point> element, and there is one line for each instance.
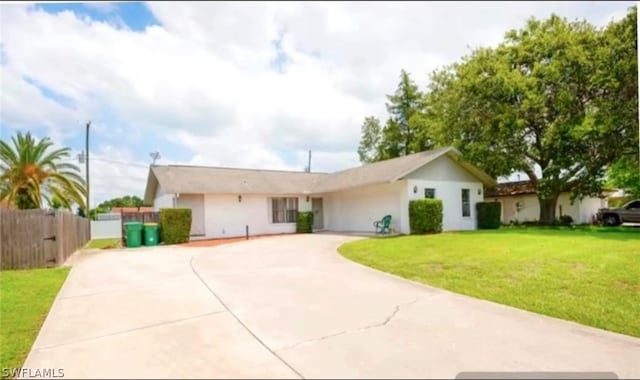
<point>24,105</point>
<point>113,172</point>
<point>102,6</point>
<point>204,78</point>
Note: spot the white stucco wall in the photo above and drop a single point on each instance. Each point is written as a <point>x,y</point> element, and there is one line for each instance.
<point>589,207</point>
<point>196,203</point>
<point>356,209</point>
<point>162,199</point>
<point>102,229</point>
<point>581,210</point>
<point>448,179</point>
<point>443,169</point>
<point>224,216</point>
<point>450,192</point>
<point>564,207</point>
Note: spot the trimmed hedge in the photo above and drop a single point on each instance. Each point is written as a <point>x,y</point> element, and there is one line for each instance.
<point>425,215</point>
<point>175,225</point>
<point>489,215</point>
<point>304,222</point>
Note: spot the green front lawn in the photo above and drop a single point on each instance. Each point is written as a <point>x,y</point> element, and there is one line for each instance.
<point>25,299</point>
<point>587,275</point>
<point>103,243</point>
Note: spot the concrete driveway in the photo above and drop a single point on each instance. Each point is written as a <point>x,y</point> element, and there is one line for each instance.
<point>288,307</point>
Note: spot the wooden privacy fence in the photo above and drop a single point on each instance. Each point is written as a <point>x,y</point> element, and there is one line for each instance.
<point>40,238</point>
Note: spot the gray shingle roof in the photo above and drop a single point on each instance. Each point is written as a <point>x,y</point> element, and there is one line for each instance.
<point>199,179</point>
<point>378,172</point>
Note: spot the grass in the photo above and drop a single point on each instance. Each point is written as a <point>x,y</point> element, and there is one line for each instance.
<point>103,243</point>
<point>587,275</point>
<point>25,299</point>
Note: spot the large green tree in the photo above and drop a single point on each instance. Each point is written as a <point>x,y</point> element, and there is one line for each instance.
<point>625,174</point>
<point>32,171</point>
<point>125,201</point>
<point>619,106</point>
<point>369,149</point>
<point>404,130</point>
<point>556,97</point>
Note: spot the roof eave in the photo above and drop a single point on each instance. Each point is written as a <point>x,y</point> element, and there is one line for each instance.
<point>151,188</point>
<point>455,154</point>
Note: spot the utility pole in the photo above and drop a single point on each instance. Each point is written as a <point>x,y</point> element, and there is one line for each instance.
<point>309,165</point>
<point>88,207</point>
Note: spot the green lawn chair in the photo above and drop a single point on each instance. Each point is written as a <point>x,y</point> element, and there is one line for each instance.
<point>382,226</point>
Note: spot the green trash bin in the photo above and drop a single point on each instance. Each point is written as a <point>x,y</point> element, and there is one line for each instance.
<point>133,233</point>
<point>151,234</point>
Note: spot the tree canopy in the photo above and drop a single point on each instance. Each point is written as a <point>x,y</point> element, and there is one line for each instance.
<point>404,130</point>
<point>125,201</point>
<point>625,175</point>
<point>557,100</point>
<point>32,171</point>
<point>106,206</point>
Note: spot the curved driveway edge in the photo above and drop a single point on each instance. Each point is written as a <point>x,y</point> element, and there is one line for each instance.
<point>291,306</point>
<point>328,317</point>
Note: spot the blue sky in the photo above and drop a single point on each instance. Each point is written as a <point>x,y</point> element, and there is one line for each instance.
<point>231,84</point>
<point>135,15</point>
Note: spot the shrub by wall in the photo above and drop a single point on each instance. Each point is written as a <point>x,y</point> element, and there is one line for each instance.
<point>175,225</point>
<point>425,215</point>
<point>565,220</point>
<point>488,215</point>
<point>304,222</point>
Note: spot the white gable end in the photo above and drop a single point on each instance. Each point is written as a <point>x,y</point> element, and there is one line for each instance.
<point>444,168</point>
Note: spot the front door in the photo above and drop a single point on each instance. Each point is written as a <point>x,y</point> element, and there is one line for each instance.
<point>318,217</point>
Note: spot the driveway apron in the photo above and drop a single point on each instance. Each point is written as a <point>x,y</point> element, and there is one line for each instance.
<point>291,307</point>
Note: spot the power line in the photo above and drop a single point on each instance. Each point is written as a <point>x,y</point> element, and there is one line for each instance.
<point>106,160</point>
<point>120,162</point>
<point>120,176</point>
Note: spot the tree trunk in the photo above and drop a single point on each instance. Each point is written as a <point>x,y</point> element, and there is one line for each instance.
<point>548,209</point>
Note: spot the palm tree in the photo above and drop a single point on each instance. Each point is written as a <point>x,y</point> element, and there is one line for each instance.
<point>32,171</point>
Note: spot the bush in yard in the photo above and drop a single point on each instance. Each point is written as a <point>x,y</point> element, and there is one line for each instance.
<point>565,220</point>
<point>488,215</point>
<point>425,215</point>
<point>175,225</point>
<point>304,222</point>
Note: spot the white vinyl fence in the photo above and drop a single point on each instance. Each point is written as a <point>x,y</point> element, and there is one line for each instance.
<point>102,229</point>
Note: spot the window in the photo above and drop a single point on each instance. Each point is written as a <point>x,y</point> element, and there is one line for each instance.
<point>284,210</point>
<point>633,205</point>
<point>429,193</point>
<point>466,206</point>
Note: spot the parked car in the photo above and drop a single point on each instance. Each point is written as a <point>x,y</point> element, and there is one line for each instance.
<point>628,213</point>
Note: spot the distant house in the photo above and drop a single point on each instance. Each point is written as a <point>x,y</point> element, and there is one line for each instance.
<point>116,212</point>
<point>520,203</point>
<point>122,210</point>
<point>225,201</point>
